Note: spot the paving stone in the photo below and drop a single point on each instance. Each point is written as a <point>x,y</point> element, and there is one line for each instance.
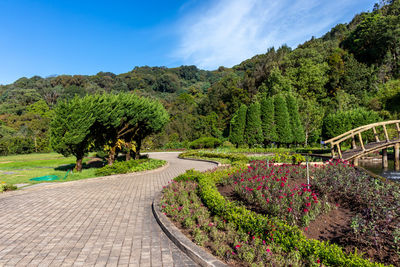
<point>94,222</point>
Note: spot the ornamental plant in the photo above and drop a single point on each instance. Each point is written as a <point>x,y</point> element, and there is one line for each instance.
<point>274,191</point>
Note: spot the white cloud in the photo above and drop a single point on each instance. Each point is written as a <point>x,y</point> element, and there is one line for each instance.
<point>229,31</point>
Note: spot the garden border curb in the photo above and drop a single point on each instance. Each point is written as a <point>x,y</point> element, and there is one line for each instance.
<point>197,254</point>
<point>219,164</point>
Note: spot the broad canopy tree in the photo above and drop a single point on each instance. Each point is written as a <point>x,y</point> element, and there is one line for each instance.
<point>105,120</point>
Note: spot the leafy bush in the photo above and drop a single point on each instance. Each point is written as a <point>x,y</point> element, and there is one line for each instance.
<point>6,187</point>
<point>335,124</point>
<point>288,158</point>
<point>205,142</point>
<point>230,157</point>
<point>176,145</point>
<point>130,166</point>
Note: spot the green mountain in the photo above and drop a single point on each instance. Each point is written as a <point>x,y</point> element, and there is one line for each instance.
<point>354,65</point>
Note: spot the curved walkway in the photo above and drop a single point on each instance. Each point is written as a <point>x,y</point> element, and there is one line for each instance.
<point>101,221</point>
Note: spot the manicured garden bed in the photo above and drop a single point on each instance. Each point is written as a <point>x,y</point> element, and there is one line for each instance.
<point>344,210</point>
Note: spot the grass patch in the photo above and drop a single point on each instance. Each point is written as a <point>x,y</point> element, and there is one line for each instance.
<point>18,169</point>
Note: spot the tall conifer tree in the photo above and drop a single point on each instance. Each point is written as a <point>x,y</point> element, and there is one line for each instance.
<point>237,126</point>
<point>268,120</point>
<point>253,125</point>
<point>295,122</point>
<point>282,120</point>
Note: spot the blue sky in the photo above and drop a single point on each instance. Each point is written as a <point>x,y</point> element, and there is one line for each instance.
<point>45,37</point>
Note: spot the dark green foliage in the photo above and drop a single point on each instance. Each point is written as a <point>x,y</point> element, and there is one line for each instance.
<point>296,125</point>
<point>130,166</point>
<point>166,83</point>
<point>254,134</point>
<point>72,128</point>
<point>376,39</point>
<point>282,121</point>
<point>340,122</point>
<point>268,120</point>
<point>205,142</point>
<point>237,126</point>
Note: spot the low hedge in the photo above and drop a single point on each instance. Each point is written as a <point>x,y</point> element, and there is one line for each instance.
<point>205,142</point>
<point>130,166</point>
<point>214,155</point>
<point>290,238</point>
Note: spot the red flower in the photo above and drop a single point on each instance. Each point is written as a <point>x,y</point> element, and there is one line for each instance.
<point>305,210</point>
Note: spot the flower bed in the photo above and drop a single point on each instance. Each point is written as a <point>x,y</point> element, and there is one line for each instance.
<point>183,206</point>
<point>373,205</point>
<point>270,229</point>
<point>273,189</point>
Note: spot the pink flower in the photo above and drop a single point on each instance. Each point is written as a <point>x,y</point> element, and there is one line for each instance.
<point>268,250</point>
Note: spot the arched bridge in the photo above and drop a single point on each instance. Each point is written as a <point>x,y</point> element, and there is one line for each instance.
<point>384,135</point>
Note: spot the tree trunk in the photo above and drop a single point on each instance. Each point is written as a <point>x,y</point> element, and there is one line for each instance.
<point>111,156</point>
<point>78,166</point>
<point>306,142</point>
<point>138,147</point>
<point>128,147</point>
<point>36,150</point>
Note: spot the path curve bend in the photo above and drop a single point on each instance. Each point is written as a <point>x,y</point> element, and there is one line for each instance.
<point>101,221</point>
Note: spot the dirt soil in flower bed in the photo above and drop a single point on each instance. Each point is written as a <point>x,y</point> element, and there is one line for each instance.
<point>333,226</point>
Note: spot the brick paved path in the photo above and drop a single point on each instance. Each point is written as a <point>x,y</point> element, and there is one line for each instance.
<point>102,221</point>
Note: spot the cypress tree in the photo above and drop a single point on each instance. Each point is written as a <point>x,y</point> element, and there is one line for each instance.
<point>282,121</point>
<point>253,125</point>
<point>237,126</point>
<point>297,127</point>
<point>268,120</point>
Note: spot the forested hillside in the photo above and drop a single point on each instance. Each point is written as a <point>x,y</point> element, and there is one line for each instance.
<point>353,66</point>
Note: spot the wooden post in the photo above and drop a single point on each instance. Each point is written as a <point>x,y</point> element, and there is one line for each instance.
<point>385,163</point>
<point>398,129</point>
<point>339,150</point>
<point>386,133</point>
<point>333,151</point>
<point>353,142</point>
<point>376,135</point>
<point>397,157</point>
<point>361,141</point>
<point>355,162</point>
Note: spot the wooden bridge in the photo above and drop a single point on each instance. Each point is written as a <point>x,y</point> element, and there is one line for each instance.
<point>384,135</point>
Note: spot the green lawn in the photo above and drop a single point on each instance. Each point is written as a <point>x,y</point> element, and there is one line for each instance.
<point>18,169</point>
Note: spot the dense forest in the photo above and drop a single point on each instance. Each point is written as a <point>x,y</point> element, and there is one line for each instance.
<point>351,71</point>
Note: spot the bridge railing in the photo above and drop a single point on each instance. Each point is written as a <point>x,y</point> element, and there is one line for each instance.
<point>336,141</point>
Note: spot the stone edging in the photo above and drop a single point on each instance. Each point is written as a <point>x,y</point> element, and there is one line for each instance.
<point>86,180</point>
<point>219,164</point>
<point>194,252</point>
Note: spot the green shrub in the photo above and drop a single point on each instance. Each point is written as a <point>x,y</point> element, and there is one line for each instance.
<point>205,142</point>
<point>340,122</point>
<point>288,158</point>
<point>231,157</point>
<point>130,166</point>
<point>6,187</point>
